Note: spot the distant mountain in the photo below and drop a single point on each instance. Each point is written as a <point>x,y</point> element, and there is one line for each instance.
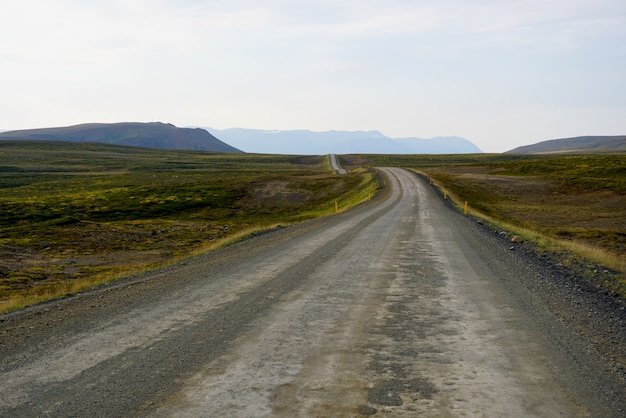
<point>577,144</point>
<point>440,145</point>
<point>302,142</point>
<point>149,135</point>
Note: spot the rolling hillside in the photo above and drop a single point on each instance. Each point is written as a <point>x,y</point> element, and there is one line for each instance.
<point>576,144</point>
<point>148,135</point>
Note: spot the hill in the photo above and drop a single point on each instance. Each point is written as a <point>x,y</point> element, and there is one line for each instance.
<point>576,144</point>
<point>149,135</point>
<point>303,142</point>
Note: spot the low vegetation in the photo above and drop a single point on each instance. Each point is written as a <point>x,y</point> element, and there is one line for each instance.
<point>573,205</point>
<point>76,215</point>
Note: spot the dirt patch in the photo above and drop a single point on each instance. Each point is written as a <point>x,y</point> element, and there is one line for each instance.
<point>354,161</point>
<point>388,393</point>
<point>275,194</point>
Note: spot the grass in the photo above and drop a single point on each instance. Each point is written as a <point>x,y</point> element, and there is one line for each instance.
<point>572,205</point>
<point>76,215</point>
<point>73,216</point>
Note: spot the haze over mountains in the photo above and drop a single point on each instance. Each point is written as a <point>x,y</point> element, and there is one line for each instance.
<point>305,142</point>
<point>294,142</point>
<point>300,142</point>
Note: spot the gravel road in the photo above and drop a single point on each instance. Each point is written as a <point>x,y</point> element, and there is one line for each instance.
<point>401,307</point>
<point>334,165</point>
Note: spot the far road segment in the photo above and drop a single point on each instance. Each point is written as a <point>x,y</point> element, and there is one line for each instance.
<point>334,164</point>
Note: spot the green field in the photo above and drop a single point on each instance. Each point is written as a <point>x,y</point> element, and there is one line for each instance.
<point>73,215</point>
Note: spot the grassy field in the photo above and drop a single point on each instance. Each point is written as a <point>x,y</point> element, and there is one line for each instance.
<point>76,215</point>
<point>574,205</point>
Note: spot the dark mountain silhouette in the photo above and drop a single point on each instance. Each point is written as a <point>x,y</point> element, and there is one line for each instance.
<point>148,135</point>
<point>302,142</point>
<point>576,144</point>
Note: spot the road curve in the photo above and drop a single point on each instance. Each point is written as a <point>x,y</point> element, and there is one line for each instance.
<point>400,307</point>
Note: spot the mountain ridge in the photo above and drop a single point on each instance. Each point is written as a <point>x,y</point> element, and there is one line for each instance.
<point>575,144</point>
<point>138,134</point>
<point>295,142</point>
<point>338,142</point>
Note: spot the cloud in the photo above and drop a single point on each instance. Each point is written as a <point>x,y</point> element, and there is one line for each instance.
<point>405,67</point>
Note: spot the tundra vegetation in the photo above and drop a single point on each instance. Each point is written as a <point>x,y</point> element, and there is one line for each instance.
<point>77,215</point>
<point>571,206</point>
<point>73,216</point>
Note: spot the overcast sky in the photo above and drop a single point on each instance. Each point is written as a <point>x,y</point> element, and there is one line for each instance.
<point>501,73</point>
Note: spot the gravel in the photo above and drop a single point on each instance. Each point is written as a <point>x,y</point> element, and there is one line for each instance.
<point>397,308</point>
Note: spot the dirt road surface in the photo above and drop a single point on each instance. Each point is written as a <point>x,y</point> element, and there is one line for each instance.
<point>401,307</point>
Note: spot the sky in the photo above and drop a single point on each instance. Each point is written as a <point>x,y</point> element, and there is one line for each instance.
<point>499,73</point>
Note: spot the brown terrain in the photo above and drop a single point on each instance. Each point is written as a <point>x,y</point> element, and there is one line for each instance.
<point>594,217</point>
